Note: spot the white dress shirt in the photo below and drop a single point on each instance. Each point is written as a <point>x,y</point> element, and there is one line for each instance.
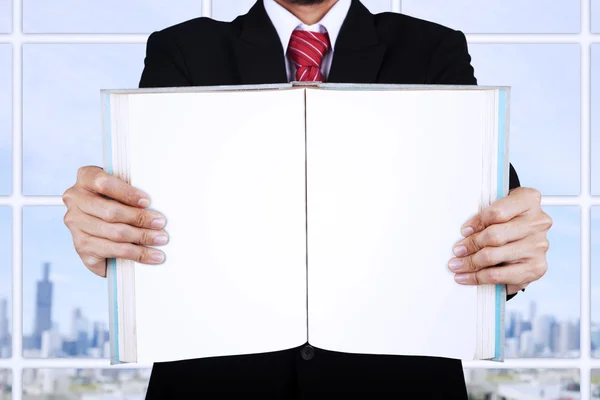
<point>285,23</point>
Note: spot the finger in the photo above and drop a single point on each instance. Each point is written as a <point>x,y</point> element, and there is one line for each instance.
<point>121,233</point>
<point>502,210</point>
<point>495,235</point>
<point>512,289</point>
<point>490,256</point>
<point>115,212</point>
<point>95,264</point>
<point>518,274</point>
<point>91,247</point>
<point>99,181</point>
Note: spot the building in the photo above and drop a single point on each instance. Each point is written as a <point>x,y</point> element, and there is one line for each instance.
<point>43,307</point>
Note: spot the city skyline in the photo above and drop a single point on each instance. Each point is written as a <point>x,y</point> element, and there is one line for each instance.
<point>45,221</point>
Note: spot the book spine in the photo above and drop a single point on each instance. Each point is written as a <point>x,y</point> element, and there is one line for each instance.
<point>111,275</point>
<point>502,185</point>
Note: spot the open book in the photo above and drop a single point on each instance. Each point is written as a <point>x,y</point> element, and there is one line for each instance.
<point>298,213</point>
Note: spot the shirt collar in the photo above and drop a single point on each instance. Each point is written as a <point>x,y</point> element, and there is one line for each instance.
<point>285,22</point>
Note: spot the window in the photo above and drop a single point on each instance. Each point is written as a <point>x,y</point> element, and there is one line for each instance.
<point>595,118</point>
<point>5,119</point>
<point>5,283</point>
<point>5,16</point>
<point>595,17</point>
<point>107,16</point>
<point>85,383</point>
<point>499,16</point>
<point>56,56</point>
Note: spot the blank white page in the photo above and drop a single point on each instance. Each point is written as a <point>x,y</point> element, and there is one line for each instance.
<point>392,176</point>
<point>228,171</point>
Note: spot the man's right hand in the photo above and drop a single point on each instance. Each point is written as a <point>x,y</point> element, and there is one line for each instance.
<point>108,219</point>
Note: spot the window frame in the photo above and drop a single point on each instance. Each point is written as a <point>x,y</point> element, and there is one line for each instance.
<point>585,38</point>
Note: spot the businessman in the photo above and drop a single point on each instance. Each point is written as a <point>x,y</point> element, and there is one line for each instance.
<point>308,40</point>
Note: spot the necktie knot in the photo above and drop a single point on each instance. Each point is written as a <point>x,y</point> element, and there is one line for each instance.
<point>306,50</point>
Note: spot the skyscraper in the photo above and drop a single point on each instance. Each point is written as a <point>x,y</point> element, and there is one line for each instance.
<point>3,321</point>
<point>43,307</point>
<point>543,332</point>
<point>531,314</point>
<point>98,338</point>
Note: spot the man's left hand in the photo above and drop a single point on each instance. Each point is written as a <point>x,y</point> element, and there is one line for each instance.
<point>512,232</point>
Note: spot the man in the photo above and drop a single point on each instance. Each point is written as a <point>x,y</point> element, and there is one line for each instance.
<point>335,41</point>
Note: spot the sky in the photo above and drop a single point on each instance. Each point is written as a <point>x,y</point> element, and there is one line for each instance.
<point>62,107</point>
<point>499,16</point>
<point>595,118</point>
<point>596,16</point>
<point>6,254</point>
<point>5,119</point>
<point>595,260</point>
<point>106,16</point>
<point>5,16</point>
<point>61,122</point>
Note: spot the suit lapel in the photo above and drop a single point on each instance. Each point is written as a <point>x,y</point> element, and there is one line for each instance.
<point>358,52</point>
<point>258,51</point>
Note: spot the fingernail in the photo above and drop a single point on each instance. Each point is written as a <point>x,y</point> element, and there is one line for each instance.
<point>144,202</point>
<point>461,278</point>
<point>161,239</point>
<point>158,257</point>
<point>158,223</point>
<point>460,251</point>
<point>466,231</point>
<point>455,265</point>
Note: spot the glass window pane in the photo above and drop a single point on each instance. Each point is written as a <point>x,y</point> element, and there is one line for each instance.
<point>228,10</point>
<point>107,16</point>
<point>5,282</point>
<point>85,383</point>
<point>595,186</point>
<point>5,119</point>
<point>64,304</point>
<point>596,16</point>
<point>5,16</point>
<point>499,16</point>
<point>595,384</point>
<point>522,384</point>
<point>538,322</point>
<point>595,261</point>
<point>61,107</point>
<point>545,109</point>
<point>5,384</point>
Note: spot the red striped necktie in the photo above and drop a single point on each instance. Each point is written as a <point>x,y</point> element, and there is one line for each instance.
<point>306,50</point>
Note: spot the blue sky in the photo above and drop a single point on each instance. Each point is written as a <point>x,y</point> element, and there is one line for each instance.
<point>106,16</point>
<point>5,16</point>
<point>596,16</point>
<point>5,118</point>
<point>62,124</point>
<point>595,118</point>
<point>62,107</point>
<point>595,255</point>
<point>499,16</point>
<point>6,253</point>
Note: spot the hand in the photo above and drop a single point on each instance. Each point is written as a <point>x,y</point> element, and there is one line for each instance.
<point>107,219</point>
<point>512,231</point>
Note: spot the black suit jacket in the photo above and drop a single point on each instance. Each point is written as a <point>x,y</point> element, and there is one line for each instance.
<point>382,48</point>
